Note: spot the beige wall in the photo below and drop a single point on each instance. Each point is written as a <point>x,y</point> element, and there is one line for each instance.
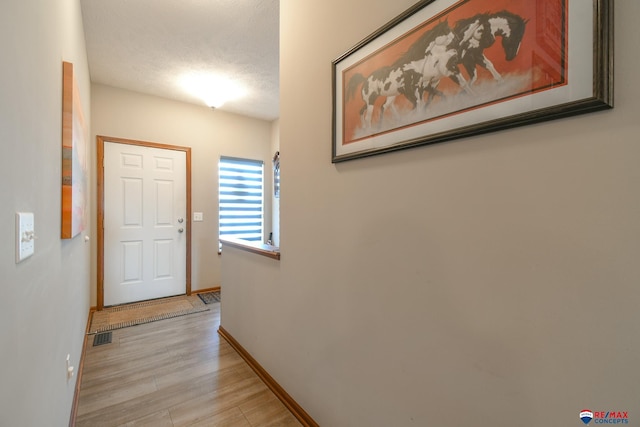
<point>210,134</point>
<point>44,300</point>
<point>488,281</point>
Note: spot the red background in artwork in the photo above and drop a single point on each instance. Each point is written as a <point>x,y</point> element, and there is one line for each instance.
<point>542,47</point>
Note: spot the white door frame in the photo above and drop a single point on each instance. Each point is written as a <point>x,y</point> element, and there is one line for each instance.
<point>100,201</point>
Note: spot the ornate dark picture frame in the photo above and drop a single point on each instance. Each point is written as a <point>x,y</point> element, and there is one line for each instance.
<point>448,69</point>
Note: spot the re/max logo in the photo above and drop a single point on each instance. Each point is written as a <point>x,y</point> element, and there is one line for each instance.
<point>602,417</point>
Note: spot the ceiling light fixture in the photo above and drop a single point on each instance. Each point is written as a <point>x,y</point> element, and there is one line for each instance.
<point>213,90</point>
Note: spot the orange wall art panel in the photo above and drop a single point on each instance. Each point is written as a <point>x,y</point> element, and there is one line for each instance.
<point>74,157</point>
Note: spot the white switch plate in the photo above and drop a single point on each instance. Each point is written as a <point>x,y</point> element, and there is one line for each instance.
<point>197,216</point>
<point>25,235</point>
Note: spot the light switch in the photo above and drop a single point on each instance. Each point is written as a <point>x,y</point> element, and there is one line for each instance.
<point>197,216</point>
<point>25,235</point>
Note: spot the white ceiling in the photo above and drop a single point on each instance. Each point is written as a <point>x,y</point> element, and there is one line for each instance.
<point>148,45</point>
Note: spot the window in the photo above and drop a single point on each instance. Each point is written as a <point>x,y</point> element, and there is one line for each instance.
<point>240,198</point>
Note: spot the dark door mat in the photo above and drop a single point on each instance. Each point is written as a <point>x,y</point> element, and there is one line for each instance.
<point>102,338</point>
<point>210,297</point>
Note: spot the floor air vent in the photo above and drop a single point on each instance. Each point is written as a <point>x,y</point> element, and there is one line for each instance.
<point>102,338</point>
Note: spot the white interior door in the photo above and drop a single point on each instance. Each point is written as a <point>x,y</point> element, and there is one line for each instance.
<point>144,223</point>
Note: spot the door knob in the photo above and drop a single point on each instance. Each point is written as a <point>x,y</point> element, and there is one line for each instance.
<point>180,230</point>
<point>180,220</point>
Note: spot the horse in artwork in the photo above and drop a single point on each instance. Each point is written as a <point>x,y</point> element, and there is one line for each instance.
<point>441,59</point>
<point>479,32</point>
<point>418,70</point>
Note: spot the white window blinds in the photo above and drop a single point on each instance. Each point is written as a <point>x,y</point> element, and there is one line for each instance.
<point>241,198</point>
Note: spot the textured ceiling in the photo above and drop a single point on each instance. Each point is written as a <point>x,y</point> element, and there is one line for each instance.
<point>148,45</point>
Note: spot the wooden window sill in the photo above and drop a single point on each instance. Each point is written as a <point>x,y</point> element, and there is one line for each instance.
<point>253,247</point>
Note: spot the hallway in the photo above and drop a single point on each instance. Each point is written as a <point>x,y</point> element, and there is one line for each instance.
<point>174,372</point>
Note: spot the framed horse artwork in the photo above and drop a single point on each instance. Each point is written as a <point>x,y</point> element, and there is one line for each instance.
<point>447,69</point>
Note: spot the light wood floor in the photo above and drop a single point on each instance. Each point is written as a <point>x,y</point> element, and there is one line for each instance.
<point>174,372</point>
